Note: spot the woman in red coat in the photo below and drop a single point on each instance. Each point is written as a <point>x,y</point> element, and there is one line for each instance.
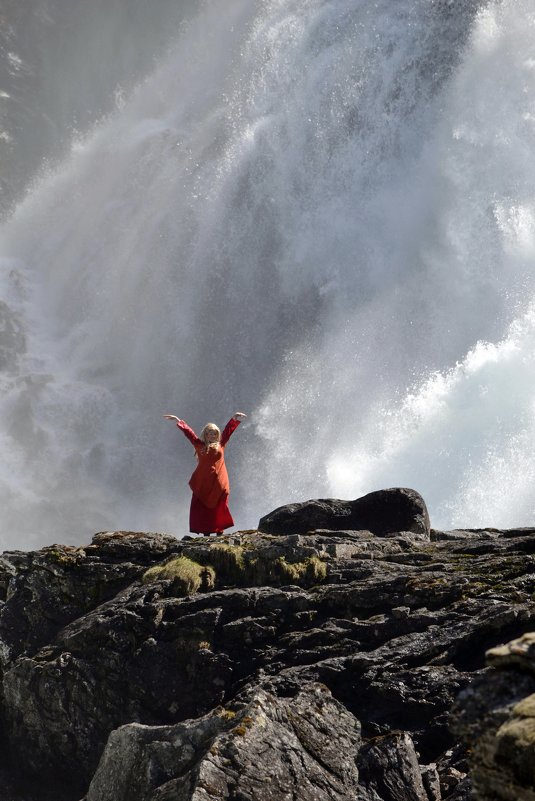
<point>209,483</point>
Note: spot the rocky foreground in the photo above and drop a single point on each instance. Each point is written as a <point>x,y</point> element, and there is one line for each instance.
<point>338,653</point>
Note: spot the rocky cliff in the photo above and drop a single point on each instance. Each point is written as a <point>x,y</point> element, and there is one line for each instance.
<point>319,657</point>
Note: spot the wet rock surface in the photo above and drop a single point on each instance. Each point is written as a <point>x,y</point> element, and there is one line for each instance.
<point>259,666</point>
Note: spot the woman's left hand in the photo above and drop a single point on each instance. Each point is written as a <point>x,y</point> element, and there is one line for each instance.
<point>239,415</point>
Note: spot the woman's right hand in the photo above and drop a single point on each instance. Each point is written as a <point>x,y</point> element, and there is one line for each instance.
<point>172,417</point>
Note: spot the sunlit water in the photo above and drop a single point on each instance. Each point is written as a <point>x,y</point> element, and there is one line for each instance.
<point>321,212</point>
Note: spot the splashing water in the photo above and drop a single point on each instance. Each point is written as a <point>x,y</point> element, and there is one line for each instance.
<point>321,211</point>
<point>471,427</point>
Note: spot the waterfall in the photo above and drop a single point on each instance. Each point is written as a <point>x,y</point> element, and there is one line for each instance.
<point>318,211</point>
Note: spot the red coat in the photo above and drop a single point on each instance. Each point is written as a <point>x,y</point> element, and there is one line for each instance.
<point>209,483</point>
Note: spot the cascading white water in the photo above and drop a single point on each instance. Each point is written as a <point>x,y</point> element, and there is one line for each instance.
<point>313,210</point>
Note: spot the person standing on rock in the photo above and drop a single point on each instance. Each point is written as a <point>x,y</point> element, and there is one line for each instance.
<point>209,482</point>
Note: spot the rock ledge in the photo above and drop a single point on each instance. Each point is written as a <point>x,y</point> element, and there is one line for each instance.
<point>328,661</point>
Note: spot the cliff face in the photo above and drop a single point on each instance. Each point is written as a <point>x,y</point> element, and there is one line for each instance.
<point>319,665</point>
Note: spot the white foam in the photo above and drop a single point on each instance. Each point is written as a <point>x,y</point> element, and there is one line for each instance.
<point>313,210</point>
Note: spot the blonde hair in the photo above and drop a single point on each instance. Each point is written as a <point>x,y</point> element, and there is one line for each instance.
<point>210,427</point>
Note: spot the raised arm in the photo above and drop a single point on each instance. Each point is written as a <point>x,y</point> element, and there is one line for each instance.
<point>186,430</point>
<point>231,426</point>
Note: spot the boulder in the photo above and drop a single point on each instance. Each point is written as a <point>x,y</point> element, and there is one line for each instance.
<point>268,748</point>
<point>495,716</point>
<point>383,512</point>
<point>389,769</point>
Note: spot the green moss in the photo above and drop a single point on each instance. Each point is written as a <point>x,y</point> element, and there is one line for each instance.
<point>526,707</point>
<point>61,557</point>
<point>311,571</point>
<point>228,561</point>
<point>225,714</point>
<point>235,566</point>
<point>241,728</point>
<point>187,576</point>
<point>287,571</point>
<point>316,570</point>
<point>279,571</point>
<point>520,732</point>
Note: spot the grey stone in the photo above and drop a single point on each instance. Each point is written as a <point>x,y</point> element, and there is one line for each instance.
<point>383,512</point>
<point>269,749</point>
<point>389,769</point>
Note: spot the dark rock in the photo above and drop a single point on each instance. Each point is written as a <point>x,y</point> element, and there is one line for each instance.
<point>394,628</point>
<point>431,782</point>
<point>383,512</point>
<point>311,740</point>
<point>44,590</point>
<point>462,791</point>
<point>496,717</point>
<point>389,769</point>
